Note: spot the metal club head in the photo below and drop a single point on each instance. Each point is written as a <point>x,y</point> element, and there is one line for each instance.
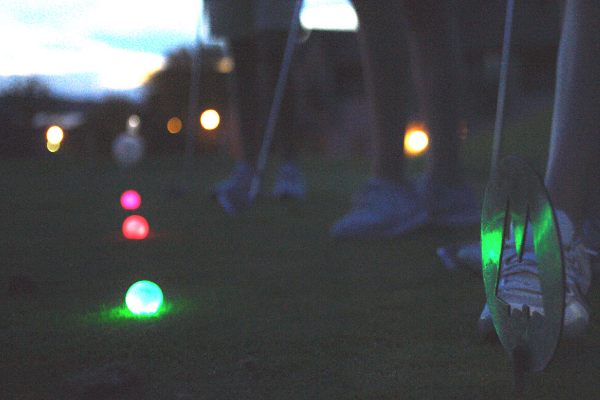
<point>234,201</point>
<point>237,199</point>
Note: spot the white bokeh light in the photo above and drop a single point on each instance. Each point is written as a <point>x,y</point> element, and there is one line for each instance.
<point>338,15</point>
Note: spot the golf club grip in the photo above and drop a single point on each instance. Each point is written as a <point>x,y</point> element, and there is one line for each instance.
<point>277,98</point>
<point>502,86</point>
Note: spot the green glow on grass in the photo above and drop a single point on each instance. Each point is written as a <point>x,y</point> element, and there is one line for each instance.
<point>144,298</point>
<point>122,312</point>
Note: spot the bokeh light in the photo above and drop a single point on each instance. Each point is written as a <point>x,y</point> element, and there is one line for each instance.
<point>130,200</point>
<point>225,65</point>
<point>52,147</point>
<point>144,298</point>
<point>135,227</point>
<point>415,139</point>
<point>332,15</point>
<point>210,119</point>
<point>54,135</point>
<point>174,125</point>
<point>133,122</point>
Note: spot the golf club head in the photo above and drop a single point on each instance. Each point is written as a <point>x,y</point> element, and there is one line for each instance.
<point>237,199</point>
<point>234,201</point>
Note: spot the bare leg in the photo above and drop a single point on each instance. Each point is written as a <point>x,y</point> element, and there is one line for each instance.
<point>258,61</point>
<point>272,45</point>
<point>434,74</point>
<point>573,172</point>
<point>393,55</point>
<point>245,53</point>
<point>386,64</point>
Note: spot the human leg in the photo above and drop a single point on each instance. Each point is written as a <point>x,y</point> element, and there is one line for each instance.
<point>245,54</point>
<point>401,40</point>
<point>573,171</point>
<point>435,75</point>
<point>289,181</point>
<point>258,62</point>
<point>386,62</point>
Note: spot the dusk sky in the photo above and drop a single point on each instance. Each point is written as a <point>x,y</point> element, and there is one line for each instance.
<point>90,48</point>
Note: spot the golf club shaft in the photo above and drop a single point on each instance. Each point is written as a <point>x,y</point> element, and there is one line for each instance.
<point>193,102</point>
<point>502,86</point>
<point>277,98</point>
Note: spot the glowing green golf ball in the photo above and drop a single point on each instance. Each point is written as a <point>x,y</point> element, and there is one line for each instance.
<point>144,298</point>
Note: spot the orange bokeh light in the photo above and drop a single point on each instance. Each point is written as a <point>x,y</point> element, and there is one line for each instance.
<point>416,139</point>
<point>174,125</point>
<point>135,227</point>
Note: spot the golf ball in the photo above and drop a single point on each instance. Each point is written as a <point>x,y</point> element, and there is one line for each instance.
<point>144,298</point>
<point>135,227</point>
<point>128,149</point>
<point>130,200</point>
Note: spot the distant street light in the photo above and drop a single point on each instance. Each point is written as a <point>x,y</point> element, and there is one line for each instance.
<point>54,135</point>
<point>415,139</point>
<point>210,119</point>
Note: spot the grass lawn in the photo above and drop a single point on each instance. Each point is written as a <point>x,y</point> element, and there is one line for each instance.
<point>263,305</point>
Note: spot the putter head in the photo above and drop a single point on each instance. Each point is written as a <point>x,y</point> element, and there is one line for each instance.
<point>238,199</point>
<point>516,194</point>
<point>234,201</point>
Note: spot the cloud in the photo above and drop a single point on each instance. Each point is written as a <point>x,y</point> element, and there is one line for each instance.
<point>135,16</point>
<point>107,45</point>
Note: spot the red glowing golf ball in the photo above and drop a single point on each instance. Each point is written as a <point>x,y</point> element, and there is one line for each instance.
<point>135,227</point>
<point>130,200</point>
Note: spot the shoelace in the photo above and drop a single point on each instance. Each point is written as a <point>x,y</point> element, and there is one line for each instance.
<point>510,259</point>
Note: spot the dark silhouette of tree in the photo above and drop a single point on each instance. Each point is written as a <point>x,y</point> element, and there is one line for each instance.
<point>168,96</point>
<point>18,106</point>
<point>103,123</point>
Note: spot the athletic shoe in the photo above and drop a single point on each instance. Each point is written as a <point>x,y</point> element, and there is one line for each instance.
<point>289,182</point>
<point>385,209</point>
<point>469,254</point>
<point>238,179</point>
<point>519,283</point>
<point>382,209</point>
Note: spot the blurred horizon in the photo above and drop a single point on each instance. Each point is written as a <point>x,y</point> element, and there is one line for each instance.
<point>87,49</point>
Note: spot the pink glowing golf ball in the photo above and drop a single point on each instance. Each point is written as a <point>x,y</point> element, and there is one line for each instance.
<point>130,200</point>
<point>135,227</point>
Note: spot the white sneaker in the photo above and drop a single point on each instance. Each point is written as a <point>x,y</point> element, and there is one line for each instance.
<point>519,283</point>
<point>289,182</point>
<point>382,209</point>
<point>385,209</point>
